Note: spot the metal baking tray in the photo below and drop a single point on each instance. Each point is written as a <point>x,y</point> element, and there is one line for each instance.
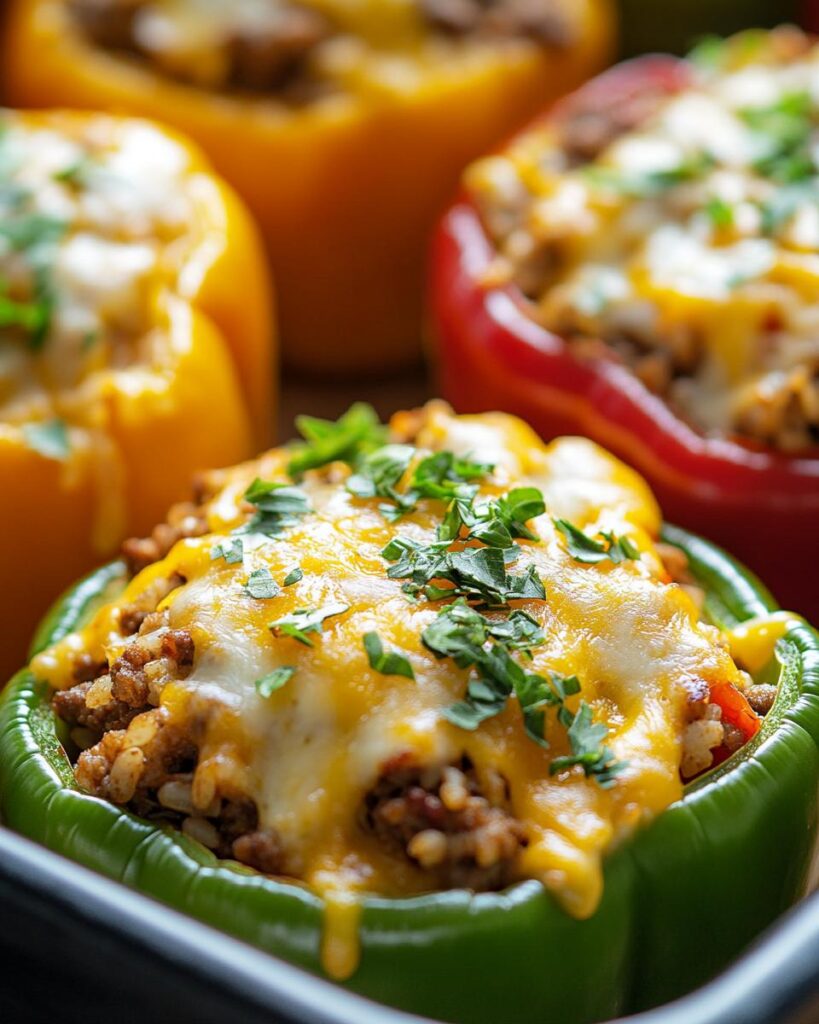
<point>76,947</point>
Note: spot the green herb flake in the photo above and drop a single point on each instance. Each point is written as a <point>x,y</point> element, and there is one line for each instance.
<point>782,133</point>
<point>303,621</point>
<point>647,184</point>
<point>387,663</point>
<point>591,551</point>
<point>586,738</point>
<point>231,549</point>
<point>720,213</point>
<point>31,230</point>
<point>49,439</point>
<point>89,340</point>
<point>445,475</point>
<point>474,641</point>
<point>34,318</point>
<point>293,577</point>
<point>261,585</point>
<point>478,574</point>
<point>357,433</point>
<point>380,471</point>
<point>76,173</point>
<point>279,506</point>
<point>274,680</point>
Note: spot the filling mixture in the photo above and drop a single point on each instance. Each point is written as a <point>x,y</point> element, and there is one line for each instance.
<point>446,655</point>
<point>677,231</point>
<point>94,223</point>
<point>300,51</point>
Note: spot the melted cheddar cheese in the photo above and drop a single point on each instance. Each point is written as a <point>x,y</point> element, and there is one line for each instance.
<point>689,242</point>
<point>308,753</point>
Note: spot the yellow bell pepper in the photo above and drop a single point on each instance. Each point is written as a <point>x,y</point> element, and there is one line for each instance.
<point>346,188</point>
<point>100,431</point>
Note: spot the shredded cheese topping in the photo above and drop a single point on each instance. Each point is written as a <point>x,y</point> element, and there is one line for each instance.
<point>309,748</point>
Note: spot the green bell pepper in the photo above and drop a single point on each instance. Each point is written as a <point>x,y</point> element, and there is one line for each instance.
<point>683,897</point>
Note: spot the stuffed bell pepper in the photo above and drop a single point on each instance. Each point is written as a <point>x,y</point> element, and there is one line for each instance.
<point>642,267</point>
<point>129,359</point>
<point>343,125</point>
<point>441,712</point>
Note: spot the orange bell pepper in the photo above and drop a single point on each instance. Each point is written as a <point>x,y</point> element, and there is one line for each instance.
<point>99,436</point>
<point>346,189</point>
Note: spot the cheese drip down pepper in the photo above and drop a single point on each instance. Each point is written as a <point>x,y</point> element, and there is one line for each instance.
<point>128,361</point>
<point>438,689</point>
<point>344,152</point>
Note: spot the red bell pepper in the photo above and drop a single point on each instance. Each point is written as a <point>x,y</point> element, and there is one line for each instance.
<point>736,710</point>
<point>760,504</point>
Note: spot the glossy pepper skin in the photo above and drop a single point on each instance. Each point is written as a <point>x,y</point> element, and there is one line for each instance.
<point>205,400</point>
<point>761,504</point>
<point>677,902</point>
<point>346,194</point>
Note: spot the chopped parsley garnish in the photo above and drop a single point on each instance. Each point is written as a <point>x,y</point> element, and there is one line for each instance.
<point>274,680</point>
<point>586,738</point>
<point>783,135</point>
<point>785,202</point>
<point>720,213</point>
<point>32,317</point>
<point>348,439</point>
<point>49,439</point>
<point>388,663</point>
<point>293,577</point>
<point>31,230</point>
<point>76,173</point>
<point>443,476</point>
<point>379,473</point>
<point>496,523</point>
<point>32,234</point>
<point>305,620</point>
<point>446,475</point>
<point>478,574</point>
<point>89,340</point>
<point>232,550</point>
<point>279,506</point>
<point>591,551</point>
<point>261,585</point>
<point>649,183</point>
<point>474,641</point>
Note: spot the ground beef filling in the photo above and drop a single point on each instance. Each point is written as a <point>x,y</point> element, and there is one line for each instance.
<point>187,519</point>
<point>265,52</point>
<point>589,126</point>
<point>131,754</point>
<point>441,818</point>
<point>270,48</point>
